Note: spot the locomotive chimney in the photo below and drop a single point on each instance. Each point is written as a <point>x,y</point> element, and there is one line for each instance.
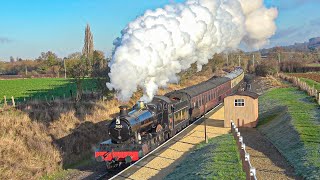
<point>123,110</point>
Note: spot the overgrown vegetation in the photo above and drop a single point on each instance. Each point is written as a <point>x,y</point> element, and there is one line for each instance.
<point>219,159</point>
<point>290,120</point>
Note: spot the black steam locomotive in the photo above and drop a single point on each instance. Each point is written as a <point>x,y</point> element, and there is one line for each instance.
<point>137,131</point>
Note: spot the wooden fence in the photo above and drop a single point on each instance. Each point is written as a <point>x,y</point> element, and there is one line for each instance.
<point>302,86</point>
<point>245,157</point>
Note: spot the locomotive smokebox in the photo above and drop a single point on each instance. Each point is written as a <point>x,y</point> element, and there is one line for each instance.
<point>123,111</point>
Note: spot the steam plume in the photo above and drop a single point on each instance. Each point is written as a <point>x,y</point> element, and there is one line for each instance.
<point>161,43</point>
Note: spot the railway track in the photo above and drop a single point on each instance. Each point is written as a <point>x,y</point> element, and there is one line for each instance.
<point>127,171</point>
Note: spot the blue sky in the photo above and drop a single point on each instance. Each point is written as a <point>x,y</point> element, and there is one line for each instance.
<point>29,27</point>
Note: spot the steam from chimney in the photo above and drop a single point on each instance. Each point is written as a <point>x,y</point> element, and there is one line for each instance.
<point>161,43</point>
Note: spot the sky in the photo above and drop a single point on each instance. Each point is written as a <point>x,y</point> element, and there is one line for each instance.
<point>28,28</point>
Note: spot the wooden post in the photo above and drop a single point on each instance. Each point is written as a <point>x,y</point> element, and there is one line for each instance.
<point>5,101</point>
<point>13,103</point>
<point>242,156</point>
<point>247,166</point>
<point>319,98</point>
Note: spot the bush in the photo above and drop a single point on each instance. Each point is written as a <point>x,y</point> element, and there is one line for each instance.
<point>267,68</point>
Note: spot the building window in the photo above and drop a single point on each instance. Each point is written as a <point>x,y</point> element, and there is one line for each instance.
<point>239,102</point>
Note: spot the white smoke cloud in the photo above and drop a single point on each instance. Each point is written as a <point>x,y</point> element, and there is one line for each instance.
<point>161,43</point>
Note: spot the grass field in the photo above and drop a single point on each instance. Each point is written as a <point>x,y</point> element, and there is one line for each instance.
<point>41,87</point>
<point>290,119</point>
<point>219,159</point>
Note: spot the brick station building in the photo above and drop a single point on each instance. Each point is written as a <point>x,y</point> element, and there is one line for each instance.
<point>242,109</point>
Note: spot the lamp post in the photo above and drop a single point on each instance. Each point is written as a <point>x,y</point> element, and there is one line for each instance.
<point>205,121</point>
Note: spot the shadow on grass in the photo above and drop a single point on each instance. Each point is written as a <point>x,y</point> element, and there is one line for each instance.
<point>81,143</point>
<point>66,89</point>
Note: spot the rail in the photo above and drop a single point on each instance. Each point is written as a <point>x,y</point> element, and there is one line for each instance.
<point>245,157</point>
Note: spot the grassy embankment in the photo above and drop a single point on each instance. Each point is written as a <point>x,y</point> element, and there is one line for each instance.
<point>290,119</point>
<point>40,88</point>
<point>219,159</point>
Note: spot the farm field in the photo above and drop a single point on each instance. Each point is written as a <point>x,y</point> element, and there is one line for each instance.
<point>312,76</point>
<point>40,88</point>
<point>289,118</point>
<point>219,159</point>
<point>312,79</point>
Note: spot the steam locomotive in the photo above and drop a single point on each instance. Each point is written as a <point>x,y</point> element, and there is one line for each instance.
<point>138,130</point>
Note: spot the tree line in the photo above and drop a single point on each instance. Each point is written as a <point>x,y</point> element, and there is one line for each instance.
<point>48,63</point>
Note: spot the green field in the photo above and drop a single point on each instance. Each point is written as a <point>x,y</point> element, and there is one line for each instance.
<point>290,119</point>
<point>219,159</point>
<point>41,88</point>
<point>311,83</point>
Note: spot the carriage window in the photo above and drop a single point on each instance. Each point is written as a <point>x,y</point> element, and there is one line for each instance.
<point>176,115</point>
<point>239,102</point>
<point>165,106</point>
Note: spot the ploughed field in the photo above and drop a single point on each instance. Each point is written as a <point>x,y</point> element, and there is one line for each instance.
<point>41,88</point>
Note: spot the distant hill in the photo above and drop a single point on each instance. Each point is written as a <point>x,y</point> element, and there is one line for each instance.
<point>312,45</point>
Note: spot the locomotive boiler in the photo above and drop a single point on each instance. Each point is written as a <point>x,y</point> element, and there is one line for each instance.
<point>142,119</point>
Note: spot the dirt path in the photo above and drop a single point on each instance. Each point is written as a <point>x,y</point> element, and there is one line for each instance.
<point>267,160</point>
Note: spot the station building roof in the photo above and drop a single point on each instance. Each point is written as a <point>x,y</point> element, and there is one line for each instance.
<point>247,93</point>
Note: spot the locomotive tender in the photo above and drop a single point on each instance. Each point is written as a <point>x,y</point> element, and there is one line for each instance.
<point>133,134</point>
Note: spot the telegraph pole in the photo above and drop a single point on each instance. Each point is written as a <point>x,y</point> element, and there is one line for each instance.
<point>239,60</point>
<point>253,60</point>
<point>65,71</point>
<point>227,59</point>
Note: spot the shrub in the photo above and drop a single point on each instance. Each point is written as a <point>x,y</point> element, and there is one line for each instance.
<point>267,68</point>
